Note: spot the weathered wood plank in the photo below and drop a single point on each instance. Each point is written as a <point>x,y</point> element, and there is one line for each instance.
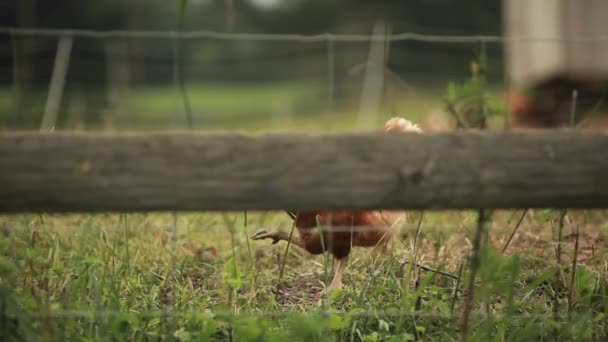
<point>74,172</point>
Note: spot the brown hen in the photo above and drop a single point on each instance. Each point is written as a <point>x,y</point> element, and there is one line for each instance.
<point>343,229</point>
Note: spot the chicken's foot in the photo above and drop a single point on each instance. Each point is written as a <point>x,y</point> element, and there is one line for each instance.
<point>262,234</point>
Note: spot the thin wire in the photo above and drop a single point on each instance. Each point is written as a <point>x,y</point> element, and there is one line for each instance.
<point>92,314</point>
<point>204,34</point>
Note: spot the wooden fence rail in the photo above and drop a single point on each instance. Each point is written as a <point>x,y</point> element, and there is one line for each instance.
<point>67,172</point>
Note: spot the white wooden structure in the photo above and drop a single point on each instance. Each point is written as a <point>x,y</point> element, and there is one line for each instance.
<point>555,36</point>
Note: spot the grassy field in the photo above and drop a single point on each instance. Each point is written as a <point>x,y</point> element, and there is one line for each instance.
<point>241,107</point>
<point>248,108</point>
<point>195,276</point>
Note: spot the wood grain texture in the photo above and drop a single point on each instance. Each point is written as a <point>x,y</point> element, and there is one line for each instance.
<point>65,172</point>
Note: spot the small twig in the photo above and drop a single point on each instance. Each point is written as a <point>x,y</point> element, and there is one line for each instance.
<point>572,276</point>
<point>560,233</point>
<point>521,219</point>
<point>126,230</point>
<point>282,269</point>
<point>483,217</point>
<point>250,255</point>
<point>417,235</point>
<point>558,254</point>
<point>483,68</point>
<point>560,237</point>
<point>430,269</point>
<point>232,294</point>
<point>456,286</point>
<point>418,304</point>
<point>450,108</point>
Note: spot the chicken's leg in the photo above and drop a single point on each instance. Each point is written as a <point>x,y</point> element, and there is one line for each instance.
<point>336,282</point>
<point>278,236</point>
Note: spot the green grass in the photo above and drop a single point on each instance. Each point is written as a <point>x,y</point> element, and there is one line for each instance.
<point>251,108</point>
<point>220,105</point>
<point>197,277</point>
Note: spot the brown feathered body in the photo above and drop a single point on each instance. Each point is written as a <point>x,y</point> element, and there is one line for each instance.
<point>342,230</point>
<point>346,229</point>
<point>337,232</point>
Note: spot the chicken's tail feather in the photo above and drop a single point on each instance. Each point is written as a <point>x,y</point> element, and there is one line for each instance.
<point>398,124</point>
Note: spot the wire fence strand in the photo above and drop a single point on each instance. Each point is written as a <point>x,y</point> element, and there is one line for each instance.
<point>323,37</point>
